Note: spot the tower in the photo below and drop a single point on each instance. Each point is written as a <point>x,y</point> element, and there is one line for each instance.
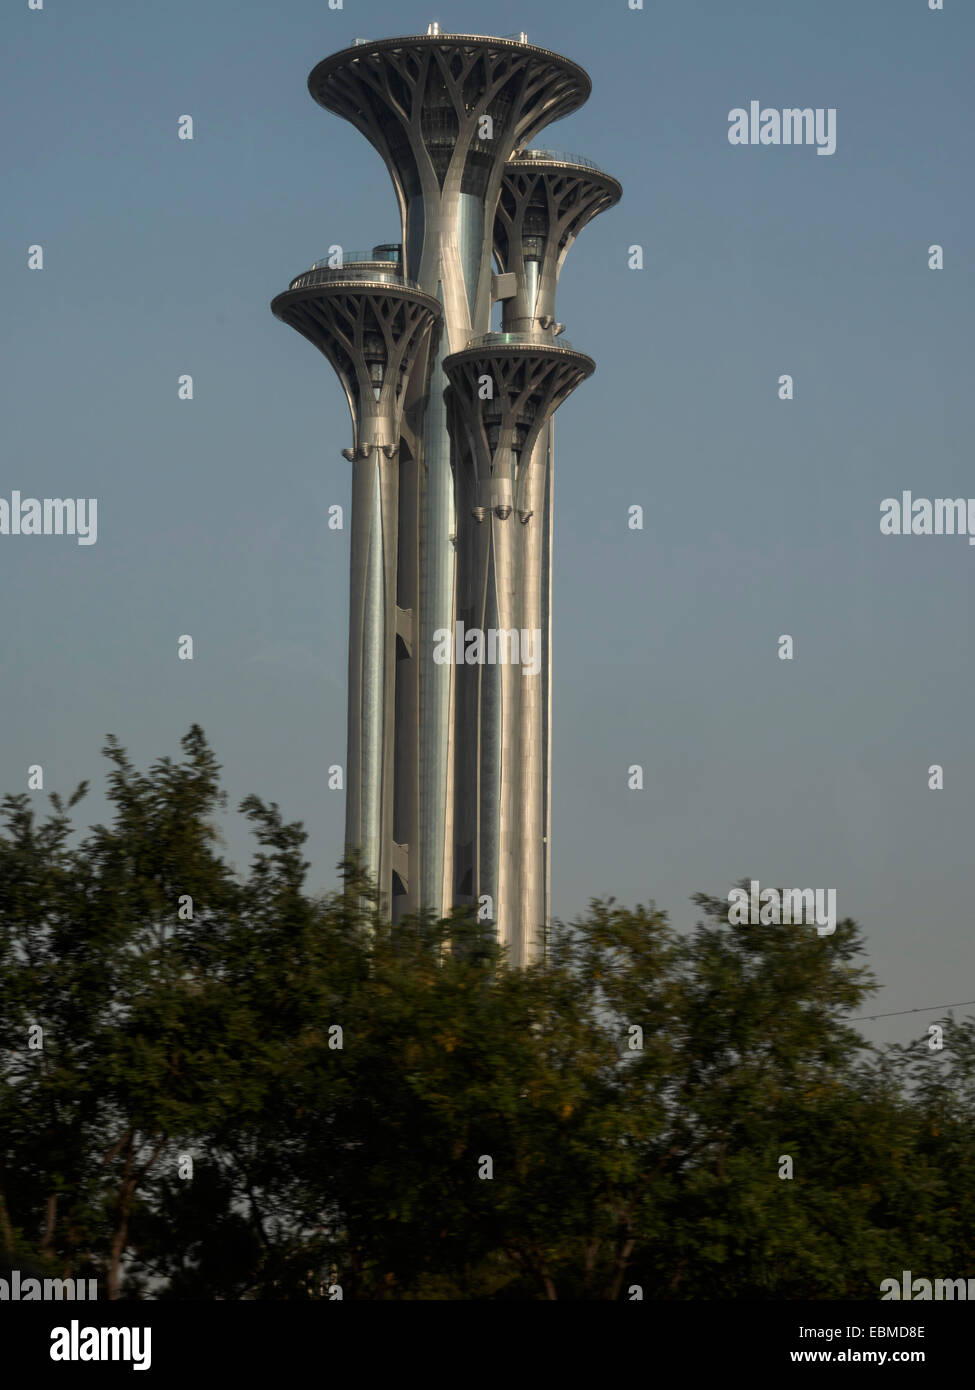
<point>451,511</point>
<point>504,389</point>
<point>372,323</point>
<point>547,198</point>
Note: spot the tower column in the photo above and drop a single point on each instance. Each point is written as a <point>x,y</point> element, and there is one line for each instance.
<point>546,199</point>
<point>371,324</point>
<point>534,615</point>
<point>504,388</point>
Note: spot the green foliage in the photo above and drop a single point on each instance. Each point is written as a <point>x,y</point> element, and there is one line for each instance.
<point>213,1036</point>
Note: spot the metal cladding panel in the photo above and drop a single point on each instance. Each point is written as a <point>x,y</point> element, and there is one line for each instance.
<point>470,235</point>
<point>436,611</point>
<point>489,770</point>
<point>415,230</point>
<point>373,681</point>
<point>513,677</point>
<point>533,768</point>
<point>532,268</point>
<point>366,666</point>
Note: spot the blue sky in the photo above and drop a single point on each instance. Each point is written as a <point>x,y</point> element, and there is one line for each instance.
<point>761,516</point>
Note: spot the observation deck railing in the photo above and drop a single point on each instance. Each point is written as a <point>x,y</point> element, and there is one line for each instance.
<point>519,36</point>
<point>368,270</point>
<point>489,340</point>
<point>359,258</point>
<point>557,156</point>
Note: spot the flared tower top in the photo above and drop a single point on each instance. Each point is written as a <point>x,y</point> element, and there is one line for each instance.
<point>446,112</point>
<point>417,98</point>
<point>546,199</point>
<point>375,81</point>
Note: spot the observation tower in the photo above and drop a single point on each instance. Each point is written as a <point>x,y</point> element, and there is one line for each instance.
<point>449,764</point>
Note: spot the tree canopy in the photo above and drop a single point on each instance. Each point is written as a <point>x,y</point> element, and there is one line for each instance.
<point>224,1086</point>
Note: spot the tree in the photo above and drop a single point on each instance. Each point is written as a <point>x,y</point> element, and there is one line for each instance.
<point>225,1086</point>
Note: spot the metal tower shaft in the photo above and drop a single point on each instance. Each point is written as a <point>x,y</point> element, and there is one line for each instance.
<point>547,199</point>
<point>502,396</point>
<point>372,326</point>
<point>445,112</point>
<point>449,761</point>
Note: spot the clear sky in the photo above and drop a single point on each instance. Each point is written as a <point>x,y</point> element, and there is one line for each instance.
<point>761,515</point>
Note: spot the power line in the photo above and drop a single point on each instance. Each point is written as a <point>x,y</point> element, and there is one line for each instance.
<point>898,1012</point>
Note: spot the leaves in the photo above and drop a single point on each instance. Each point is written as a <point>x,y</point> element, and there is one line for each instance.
<point>209,1036</point>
